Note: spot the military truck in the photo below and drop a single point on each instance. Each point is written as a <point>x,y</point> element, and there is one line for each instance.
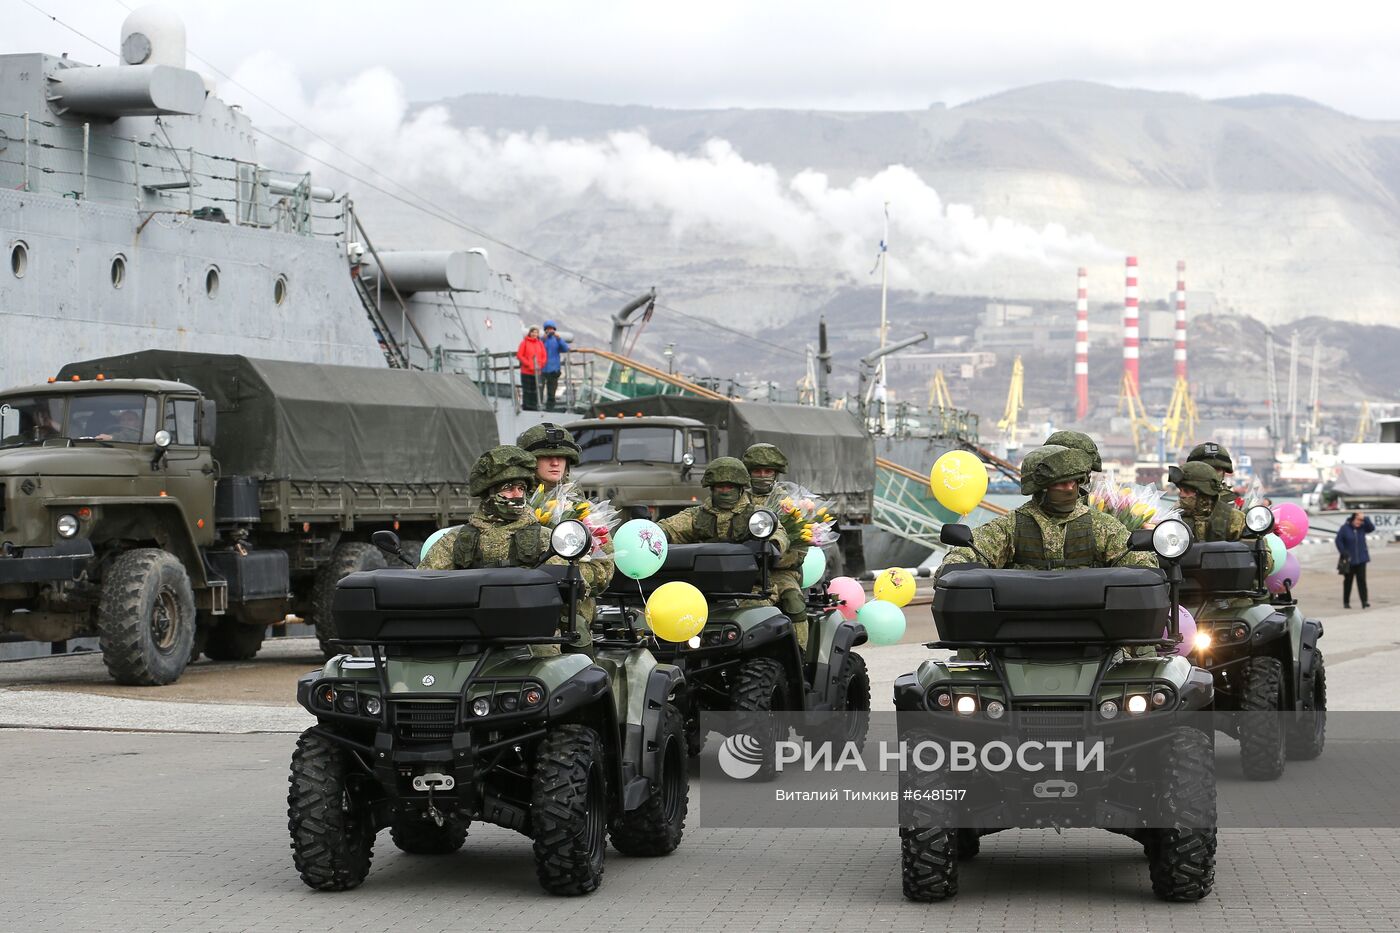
<point>647,455</point>
<point>176,503</point>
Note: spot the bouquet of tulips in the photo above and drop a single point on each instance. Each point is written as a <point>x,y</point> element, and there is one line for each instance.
<point>1135,506</point>
<point>806,518</point>
<point>565,502</point>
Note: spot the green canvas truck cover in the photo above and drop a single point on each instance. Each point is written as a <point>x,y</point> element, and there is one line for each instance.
<point>280,419</point>
<point>828,452</point>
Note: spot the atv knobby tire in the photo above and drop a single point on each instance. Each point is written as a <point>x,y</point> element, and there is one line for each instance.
<point>929,858</point>
<point>694,737</point>
<point>760,688</point>
<point>349,557</point>
<point>1308,733</point>
<point>1181,857</point>
<point>232,640</point>
<point>417,835</point>
<point>850,705</point>
<point>569,809</point>
<point>1261,731</point>
<point>146,618</point>
<point>969,844</point>
<point>332,835</point>
<point>655,828</point>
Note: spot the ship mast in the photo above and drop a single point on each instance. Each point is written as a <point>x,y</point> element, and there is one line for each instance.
<point>880,392</point>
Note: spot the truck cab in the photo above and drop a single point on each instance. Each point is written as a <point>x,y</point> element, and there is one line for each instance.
<point>649,466</point>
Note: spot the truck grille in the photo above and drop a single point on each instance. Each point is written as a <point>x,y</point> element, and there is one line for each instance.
<point>418,721</point>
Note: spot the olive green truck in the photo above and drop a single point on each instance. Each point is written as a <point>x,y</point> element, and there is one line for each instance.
<point>173,504</point>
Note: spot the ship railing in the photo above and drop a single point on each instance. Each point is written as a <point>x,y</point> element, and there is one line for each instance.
<point>904,506</point>
<point>154,176</point>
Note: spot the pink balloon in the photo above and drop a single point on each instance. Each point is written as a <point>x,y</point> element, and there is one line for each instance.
<point>1289,573</point>
<point>1290,523</point>
<point>1188,632</point>
<point>851,594</point>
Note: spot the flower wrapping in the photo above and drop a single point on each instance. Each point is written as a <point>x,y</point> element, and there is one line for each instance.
<point>566,501</point>
<point>1136,506</point>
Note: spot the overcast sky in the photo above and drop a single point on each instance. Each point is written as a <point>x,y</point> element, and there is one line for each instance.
<point>761,53</point>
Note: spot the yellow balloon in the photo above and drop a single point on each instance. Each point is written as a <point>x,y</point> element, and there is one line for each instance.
<point>677,611</point>
<point>895,585</point>
<point>958,481</point>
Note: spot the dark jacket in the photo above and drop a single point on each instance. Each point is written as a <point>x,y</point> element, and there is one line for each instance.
<point>1351,542</point>
<point>531,355</point>
<point>554,345</point>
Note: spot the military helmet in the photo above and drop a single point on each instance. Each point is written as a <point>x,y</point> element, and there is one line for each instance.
<point>726,470</point>
<point>550,440</point>
<point>501,465</point>
<point>765,455</point>
<point>1214,454</point>
<point>1078,440</point>
<point>1200,476</point>
<point>1052,463</point>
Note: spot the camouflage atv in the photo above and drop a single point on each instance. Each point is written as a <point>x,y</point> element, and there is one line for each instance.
<point>747,658</point>
<point>465,709</point>
<point>1260,649</point>
<point>1064,654</point>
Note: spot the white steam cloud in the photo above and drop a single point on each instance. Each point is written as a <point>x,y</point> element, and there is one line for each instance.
<point>804,218</point>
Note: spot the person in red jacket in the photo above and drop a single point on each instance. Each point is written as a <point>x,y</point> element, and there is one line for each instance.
<point>532,356</point>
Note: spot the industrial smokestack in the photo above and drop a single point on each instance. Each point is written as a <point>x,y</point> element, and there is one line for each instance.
<point>1081,348</point>
<point>1130,323</point>
<point>1179,353</point>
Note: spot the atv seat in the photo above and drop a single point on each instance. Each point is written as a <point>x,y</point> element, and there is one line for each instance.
<point>710,568</point>
<point>1107,604</point>
<point>1222,568</point>
<point>387,606</point>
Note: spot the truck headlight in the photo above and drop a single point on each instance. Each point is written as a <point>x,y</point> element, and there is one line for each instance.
<point>67,526</point>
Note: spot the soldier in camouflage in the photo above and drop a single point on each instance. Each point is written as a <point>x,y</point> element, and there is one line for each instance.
<point>724,517</point>
<point>555,451</point>
<point>1201,493</point>
<point>1078,440</point>
<point>1056,530</point>
<point>1218,458</point>
<point>504,533</point>
<point>765,463</point>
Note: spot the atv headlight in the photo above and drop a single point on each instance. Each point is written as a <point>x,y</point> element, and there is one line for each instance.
<point>762,524</point>
<point>1137,704</point>
<point>1170,539</point>
<point>481,706</point>
<point>1202,641</point>
<point>570,539</point>
<point>67,526</point>
<point>1259,519</point>
<point>372,706</point>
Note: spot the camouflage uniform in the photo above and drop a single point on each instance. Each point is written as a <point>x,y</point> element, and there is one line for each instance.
<point>1034,537</point>
<point>552,440</point>
<point>493,537</point>
<point>787,576</point>
<point>1215,517</point>
<point>1218,458</point>
<point>711,523</point>
<point>1078,440</point>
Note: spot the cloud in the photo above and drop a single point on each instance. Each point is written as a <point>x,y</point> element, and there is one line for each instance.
<point>712,191</point>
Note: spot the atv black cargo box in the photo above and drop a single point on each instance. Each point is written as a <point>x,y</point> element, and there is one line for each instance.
<point>446,605</point>
<point>1112,604</point>
<point>1212,567</point>
<point>710,568</point>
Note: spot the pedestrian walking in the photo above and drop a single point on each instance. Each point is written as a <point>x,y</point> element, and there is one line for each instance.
<point>554,347</point>
<point>1353,556</point>
<point>532,356</point>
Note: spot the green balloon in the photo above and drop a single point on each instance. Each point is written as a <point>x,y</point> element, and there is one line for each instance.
<point>639,548</point>
<point>1278,552</point>
<point>813,566</point>
<point>883,621</point>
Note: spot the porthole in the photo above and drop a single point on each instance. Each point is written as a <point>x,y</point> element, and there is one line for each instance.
<point>19,258</point>
<point>211,282</point>
<point>118,270</point>
<point>279,290</point>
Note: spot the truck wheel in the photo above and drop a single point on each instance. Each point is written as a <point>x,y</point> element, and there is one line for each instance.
<point>349,557</point>
<point>418,836</point>
<point>759,687</point>
<point>234,641</point>
<point>201,635</point>
<point>332,834</point>
<point>1308,733</point>
<point>1261,723</point>
<point>1181,858</point>
<point>655,828</point>
<point>145,619</point>
<point>569,806</point>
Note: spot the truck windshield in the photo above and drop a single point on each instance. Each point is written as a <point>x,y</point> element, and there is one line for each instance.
<point>628,444</point>
<point>124,417</point>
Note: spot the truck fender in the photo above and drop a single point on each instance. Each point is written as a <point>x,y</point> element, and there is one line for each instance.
<point>160,520</point>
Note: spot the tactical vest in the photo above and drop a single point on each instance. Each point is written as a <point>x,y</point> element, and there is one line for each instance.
<point>526,549</point>
<point>1218,528</point>
<point>707,526</point>
<point>1080,550</point>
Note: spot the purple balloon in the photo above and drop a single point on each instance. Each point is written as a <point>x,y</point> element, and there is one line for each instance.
<point>1290,573</point>
<point>1188,631</point>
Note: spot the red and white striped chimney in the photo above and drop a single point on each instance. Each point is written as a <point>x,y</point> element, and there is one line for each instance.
<point>1081,348</point>
<point>1130,323</point>
<point>1179,353</point>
